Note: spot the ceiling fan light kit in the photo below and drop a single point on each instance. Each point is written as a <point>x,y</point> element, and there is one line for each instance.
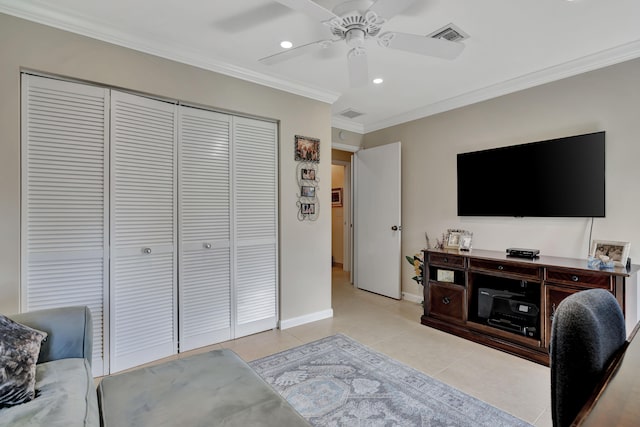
<point>355,21</point>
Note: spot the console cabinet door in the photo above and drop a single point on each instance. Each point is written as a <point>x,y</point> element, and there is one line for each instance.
<point>447,301</point>
<point>553,296</point>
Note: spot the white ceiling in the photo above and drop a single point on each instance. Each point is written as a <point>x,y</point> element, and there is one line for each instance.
<point>513,44</point>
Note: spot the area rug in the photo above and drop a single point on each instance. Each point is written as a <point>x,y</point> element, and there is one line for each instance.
<point>337,381</point>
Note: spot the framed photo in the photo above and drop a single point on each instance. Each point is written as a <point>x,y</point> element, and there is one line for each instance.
<point>336,197</point>
<point>308,174</point>
<point>445,276</point>
<point>308,191</point>
<point>453,239</point>
<point>308,208</point>
<point>307,149</point>
<point>618,252</point>
<point>465,242</point>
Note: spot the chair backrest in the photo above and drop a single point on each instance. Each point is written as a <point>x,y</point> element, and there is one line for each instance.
<point>587,330</point>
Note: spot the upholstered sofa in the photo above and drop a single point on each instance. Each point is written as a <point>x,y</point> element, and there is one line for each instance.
<point>66,393</point>
<point>214,388</point>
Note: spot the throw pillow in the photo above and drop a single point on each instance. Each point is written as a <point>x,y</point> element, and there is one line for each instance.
<point>19,351</point>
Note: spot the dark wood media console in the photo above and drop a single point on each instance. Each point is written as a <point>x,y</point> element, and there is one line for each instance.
<point>526,292</point>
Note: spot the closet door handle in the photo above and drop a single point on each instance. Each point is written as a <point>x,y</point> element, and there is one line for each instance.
<point>146,250</point>
<point>207,245</point>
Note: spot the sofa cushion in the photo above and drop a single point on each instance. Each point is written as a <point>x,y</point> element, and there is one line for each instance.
<point>66,398</point>
<point>214,388</point>
<point>19,350</point>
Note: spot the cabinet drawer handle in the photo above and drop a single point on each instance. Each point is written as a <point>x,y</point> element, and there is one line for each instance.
<point>146,250</point>
<point>500,268</point>
<point>446,300</point>
<point>575,278</point>
<point>207,245</point>
<point>446,260</point>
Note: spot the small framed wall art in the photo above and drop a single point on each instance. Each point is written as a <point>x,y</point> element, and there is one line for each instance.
<point>308,174</point>
<point>308,208</point>
<point>307,149</point>
<point>336,197</point>
<point>308,191</point>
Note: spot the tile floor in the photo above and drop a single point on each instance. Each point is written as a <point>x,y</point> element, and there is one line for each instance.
<point>393,327</point>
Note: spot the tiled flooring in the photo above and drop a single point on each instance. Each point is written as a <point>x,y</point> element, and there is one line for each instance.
<point>393,328</point>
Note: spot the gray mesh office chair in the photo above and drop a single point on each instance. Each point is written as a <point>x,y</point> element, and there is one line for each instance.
<point>587,330</point>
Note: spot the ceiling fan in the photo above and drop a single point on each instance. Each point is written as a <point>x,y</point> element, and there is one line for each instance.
<point>355,21</point>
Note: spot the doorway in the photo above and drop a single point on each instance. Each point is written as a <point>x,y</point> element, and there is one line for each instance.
<point>341,224</point>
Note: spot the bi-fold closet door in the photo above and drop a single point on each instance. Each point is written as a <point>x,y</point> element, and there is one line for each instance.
<point>65,201</point>
<point>228,227</point>
<point>205,228</point>
<point>143,239</point>
<point>161,218</point>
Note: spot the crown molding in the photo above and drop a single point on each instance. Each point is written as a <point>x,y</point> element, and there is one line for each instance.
<point>345,124</point>
<point>604,58</point>
<point>175,53</point>
<point>97,31</point>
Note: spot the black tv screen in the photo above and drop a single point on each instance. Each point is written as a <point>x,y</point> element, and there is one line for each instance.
<point>561,177</point>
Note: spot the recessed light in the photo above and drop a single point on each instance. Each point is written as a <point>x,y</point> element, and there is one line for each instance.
<point>377,80</point>
<point>286,44</point>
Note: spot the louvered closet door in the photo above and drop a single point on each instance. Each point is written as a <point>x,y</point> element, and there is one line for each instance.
<point>205,228</point>
<point>64,199</point>
<point>255,257</point>
<point>143,230</point>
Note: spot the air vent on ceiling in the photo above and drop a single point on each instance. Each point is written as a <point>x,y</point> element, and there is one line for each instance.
<point>449,32</point>
<point>350,113</point>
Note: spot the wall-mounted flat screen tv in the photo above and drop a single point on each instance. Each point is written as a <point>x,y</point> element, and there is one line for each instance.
<point>562,177</point>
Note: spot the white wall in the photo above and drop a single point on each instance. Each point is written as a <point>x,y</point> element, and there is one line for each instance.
<point>305,247</point>
<point>606,99</point>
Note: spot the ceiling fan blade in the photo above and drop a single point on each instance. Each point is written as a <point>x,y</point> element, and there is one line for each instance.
<point>390,8</point>
<point>358,67</point>
<point>310,8</point>
<point>423,45</point>
<point>295,52</point>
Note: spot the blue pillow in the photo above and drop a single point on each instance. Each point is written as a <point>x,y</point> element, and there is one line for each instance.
<point>19,350</point>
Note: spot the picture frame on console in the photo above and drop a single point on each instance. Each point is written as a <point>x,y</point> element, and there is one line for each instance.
<point>465,241</point>
<point>452,239</point>
<point>618,252</point>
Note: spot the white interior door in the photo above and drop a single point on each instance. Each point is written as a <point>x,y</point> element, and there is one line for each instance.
<point>255,218</point>
<point>377,220</point>
<point>65,201</point>
<point>143,230</point>
<point>205,228</point>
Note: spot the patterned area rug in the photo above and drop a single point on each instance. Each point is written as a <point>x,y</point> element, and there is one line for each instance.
<point>337,381</point>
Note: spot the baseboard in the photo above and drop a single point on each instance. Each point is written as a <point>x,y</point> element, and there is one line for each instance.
<point>307,318</point>
<point>412,297</point>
